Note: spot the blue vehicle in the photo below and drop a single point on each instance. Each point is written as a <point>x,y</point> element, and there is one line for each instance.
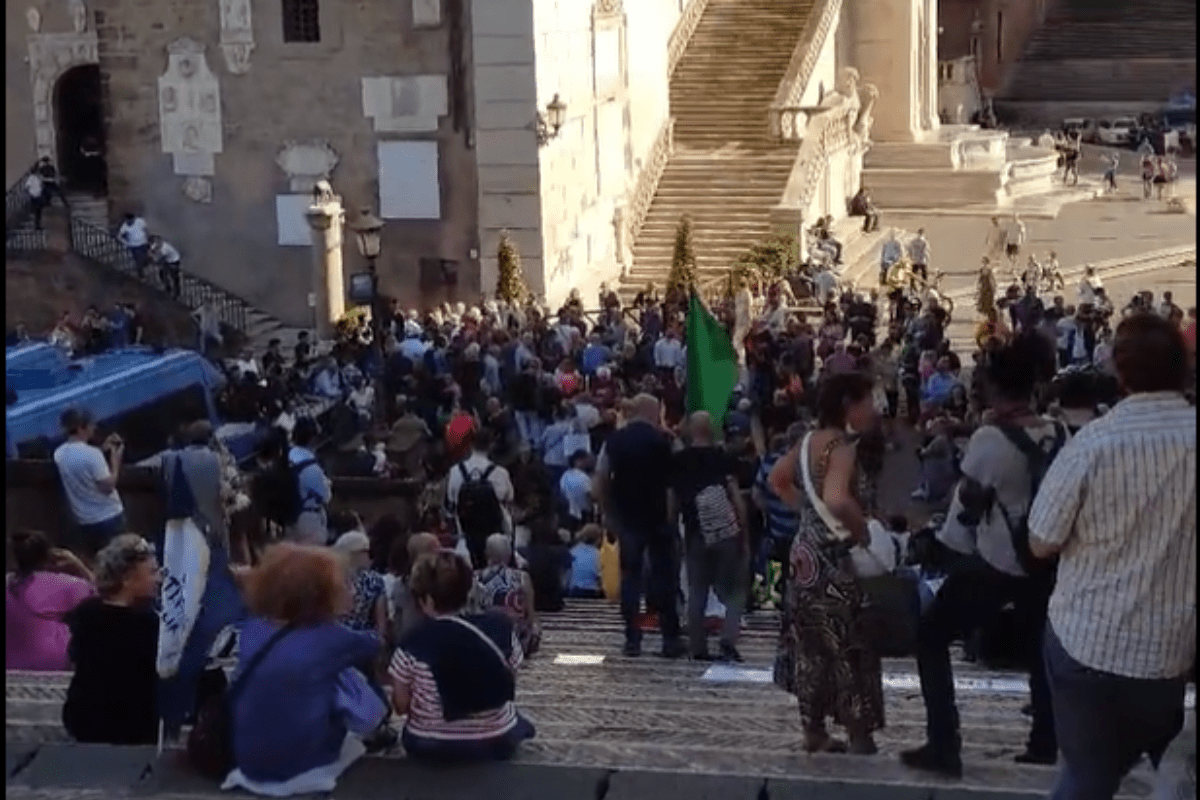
<point>140,393</point>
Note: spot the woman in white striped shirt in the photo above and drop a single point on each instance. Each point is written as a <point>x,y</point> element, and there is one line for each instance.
<point>454,675</point>
<point>1118,506</point>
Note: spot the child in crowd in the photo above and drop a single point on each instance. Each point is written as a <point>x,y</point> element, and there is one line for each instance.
<point>585,563</point>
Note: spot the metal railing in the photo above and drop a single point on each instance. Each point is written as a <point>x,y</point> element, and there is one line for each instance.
<point>99,245</point>
<point>18,204</point>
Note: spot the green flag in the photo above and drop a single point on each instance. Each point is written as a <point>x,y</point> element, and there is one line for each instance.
<point>712,364</point>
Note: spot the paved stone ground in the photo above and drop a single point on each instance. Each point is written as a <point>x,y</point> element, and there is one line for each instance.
<point>643,716</point>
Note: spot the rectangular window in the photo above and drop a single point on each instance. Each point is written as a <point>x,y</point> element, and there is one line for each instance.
<point>301,20</point>
<point>999,36</point>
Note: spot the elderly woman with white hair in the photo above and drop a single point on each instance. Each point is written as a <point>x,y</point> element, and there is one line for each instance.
<point>502,588</point>
<point>114,645</point>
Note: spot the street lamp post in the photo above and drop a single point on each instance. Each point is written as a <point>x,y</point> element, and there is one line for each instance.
<point>368,236</point>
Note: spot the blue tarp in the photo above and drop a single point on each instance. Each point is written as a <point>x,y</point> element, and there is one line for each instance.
<point>29,363</point>
<point>107,385</point>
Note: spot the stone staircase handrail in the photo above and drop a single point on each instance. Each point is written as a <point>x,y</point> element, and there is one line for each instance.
<point>689,18</point>
<point>632,215</point>
<point>101,246</point>
<point>828,130</point>
<point>782,115</point>
<point>18,205</point>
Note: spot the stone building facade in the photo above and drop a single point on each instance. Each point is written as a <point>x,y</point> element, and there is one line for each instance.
<point>993,32</point>
<point>219,116</point>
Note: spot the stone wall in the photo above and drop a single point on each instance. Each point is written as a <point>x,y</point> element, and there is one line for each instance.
<point>964,20</point>
<point>274,93</point>
<point>35,499</point>
<point>608,63</point>
<point>617,103</point>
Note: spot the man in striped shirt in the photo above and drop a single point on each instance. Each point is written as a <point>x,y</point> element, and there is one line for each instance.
<point>1118,506</point>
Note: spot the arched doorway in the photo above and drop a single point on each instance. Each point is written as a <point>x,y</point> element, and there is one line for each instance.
<point>79,130</point>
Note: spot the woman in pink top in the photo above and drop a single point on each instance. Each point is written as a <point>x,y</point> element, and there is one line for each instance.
<point>37,597</point>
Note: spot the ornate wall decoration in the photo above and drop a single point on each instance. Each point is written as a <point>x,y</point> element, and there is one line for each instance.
<point>78,12</point>
<point>306,163</point>
<point>34,18</point>
<point>189,101</point>
<point>197,189</point>
<point>237,35</point>
<point>50,55</point>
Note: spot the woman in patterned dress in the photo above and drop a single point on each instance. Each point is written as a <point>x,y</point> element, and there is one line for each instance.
<point>825,658</point>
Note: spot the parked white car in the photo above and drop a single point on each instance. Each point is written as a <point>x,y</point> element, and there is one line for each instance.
<point>1117,132</point>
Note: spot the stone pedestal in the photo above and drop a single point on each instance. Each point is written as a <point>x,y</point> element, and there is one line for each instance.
<point>326,218</point>
<point>895,48</point>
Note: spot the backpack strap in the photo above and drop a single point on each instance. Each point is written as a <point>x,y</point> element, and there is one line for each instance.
<point>487,473</point>
<point>1034,458</point>
<point>236,687</point>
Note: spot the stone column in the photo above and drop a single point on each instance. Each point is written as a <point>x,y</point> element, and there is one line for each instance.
<point>895,48</point>
<point>326,216</point>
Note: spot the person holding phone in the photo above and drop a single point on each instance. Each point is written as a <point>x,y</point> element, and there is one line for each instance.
<point>89,476</point>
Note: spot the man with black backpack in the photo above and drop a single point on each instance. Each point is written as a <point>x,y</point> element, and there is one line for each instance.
<point>478,493</point>
<point>987,527</point>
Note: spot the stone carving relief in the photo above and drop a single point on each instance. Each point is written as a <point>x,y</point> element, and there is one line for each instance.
<point>427,13</point>
<point>34,18</point>
<point>50,55</point>
<point>608,8</point>
<point>306,163</point>
<point>78,12</point>
<point>237,35</point>
<point>197,189</point>
<point>409,103</point>
<point>189,101</point>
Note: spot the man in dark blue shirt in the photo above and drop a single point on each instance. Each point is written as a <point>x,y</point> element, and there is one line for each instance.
<point>633,476</point>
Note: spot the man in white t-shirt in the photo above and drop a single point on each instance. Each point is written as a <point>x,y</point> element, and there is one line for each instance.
<point>133,235</point>
<point>89,478</point>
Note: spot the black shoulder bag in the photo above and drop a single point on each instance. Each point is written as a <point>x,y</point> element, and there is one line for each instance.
<point>210,742</point>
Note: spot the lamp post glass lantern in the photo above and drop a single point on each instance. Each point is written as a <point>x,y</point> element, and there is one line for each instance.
<point>368,230</point>
<point>556,113</point>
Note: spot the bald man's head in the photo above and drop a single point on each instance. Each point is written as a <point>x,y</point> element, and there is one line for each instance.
<point>700,426</point>
<point>422,544</point>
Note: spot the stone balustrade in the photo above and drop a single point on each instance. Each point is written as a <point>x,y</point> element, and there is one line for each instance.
<point>782,114</point>
<point>684,28</point>
<point>632,215</point>
<point>828,131</point>
<point>787,123</point>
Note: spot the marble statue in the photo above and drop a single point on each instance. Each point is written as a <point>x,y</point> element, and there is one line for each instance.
<point>78,13</point>
<point>862,125</point>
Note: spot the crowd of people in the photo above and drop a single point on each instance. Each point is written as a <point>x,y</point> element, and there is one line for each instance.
<point>556,456</point>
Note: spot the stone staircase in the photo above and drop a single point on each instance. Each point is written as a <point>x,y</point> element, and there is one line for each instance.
<point>89,232</point>
<point>594,708</point>
<point>1107,50</point>
<point>725,171</point>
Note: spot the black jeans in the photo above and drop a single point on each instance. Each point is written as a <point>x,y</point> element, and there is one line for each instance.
<point>971,597</point>
<point>639,542</point>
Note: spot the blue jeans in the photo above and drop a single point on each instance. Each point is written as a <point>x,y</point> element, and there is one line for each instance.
<point>639,543</point>
<point>94,536</point>
<point>1106,723</point>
